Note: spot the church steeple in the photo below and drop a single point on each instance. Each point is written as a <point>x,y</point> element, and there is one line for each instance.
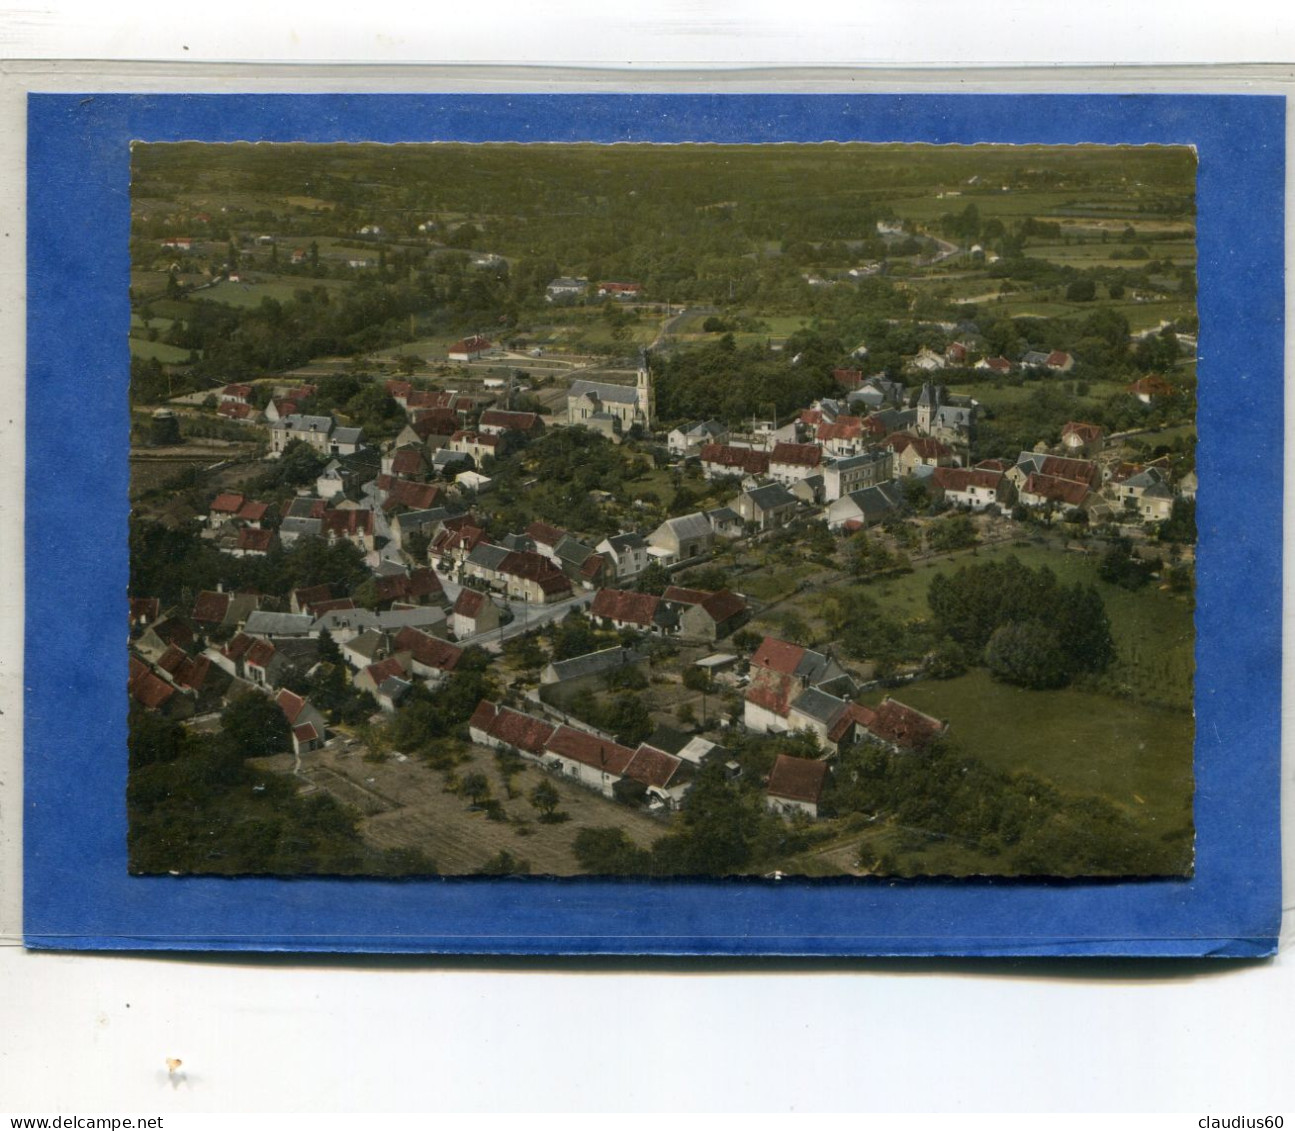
<point>646,392</point>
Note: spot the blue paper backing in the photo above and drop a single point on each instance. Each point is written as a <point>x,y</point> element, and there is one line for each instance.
<point>77,891</point>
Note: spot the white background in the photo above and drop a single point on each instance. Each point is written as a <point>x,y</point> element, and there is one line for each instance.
<point>91,1034</point>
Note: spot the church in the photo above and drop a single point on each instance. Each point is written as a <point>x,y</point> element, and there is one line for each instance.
<point>612,409</point>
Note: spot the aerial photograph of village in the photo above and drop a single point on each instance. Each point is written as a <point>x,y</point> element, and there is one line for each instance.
<point>768,511</point>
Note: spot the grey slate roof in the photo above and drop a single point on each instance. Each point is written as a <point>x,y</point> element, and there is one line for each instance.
<point>689,525</point>
<point>628,541</point>
<point>877,501</point>
<point>487,556</point>
<point>348,435</point>
<point>592,663</point>
<point>298,423</point>
<point>331,621</point>
<point>819,706</point>
<point>1152,477</point>
<point>605,391</point>
<point>849,463</point>
<point>261,623</point>
<point>300,526</point>
<point>771,495</point>
<point>572,551</point>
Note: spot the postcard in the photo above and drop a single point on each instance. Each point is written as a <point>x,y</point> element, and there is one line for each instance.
<point>655,524</point>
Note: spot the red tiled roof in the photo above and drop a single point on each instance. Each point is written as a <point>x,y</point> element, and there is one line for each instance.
<point>469,602</point>
<point>252,511</point>
<point>516,421</point>
<point>291,704</point>
<point>800,455</point>
<point>385,669</point>
<point>302,392</point>
<point>960,478</point>
<point>593,566</point>
<point>260,653</point>
<point>474,344</point>
<point>1080,470</point>
<point>544,534</point>
<point>534,567</point>
<point>238,646</point>
<point>237,391</point>
<point>408,461</point>
<point>843,428</point>
<point>778,656</point>
<point>621,288</point>
<point>903,725</point>
<point>925,446</point>
<point>416,496</point>
<point>1060,490</point>
<point>305,733</point>
<point>1151,386</point>
<point>397,389</point>
<point>480,439</point>
<point>797,779</point>
<point>1086,432</point>
<point>428,650</point>
<point>590,750</point>
<point>434,422</point>
<point>227,503</point>
<point>772,691</point>
<point>348,522</point>
<point>737,459</point>
<point>678,595</point>
<point>144,609</point>
<point>854,714</point>
<point>210,608</point>
<point>1057,357</point>
<point>998,364</point>
<point>311,595</point>
<point>652,766</point>
<point>257,541</point>
<point>811,416</point>
<point>234,409</point>
<point>723,605</point>
<point>151,690</point>
<point>992,465</point>
<point>625,606</point>
<point>850,378</point>
<point>524,732</point>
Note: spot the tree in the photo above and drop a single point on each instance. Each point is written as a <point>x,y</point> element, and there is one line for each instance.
<point>654,579</point>
<point>610,852</point>
<point>545,798</point>
<point>254,726</point>
<point>1028,655</point>
<point>1081,290</point>
<point>475,787</point>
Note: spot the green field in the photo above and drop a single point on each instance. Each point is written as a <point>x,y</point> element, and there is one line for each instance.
<point>282,288</point>
<point>168,355</point>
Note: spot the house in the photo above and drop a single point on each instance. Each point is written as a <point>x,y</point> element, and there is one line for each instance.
<point>1059,361</point>
<point>565,287</point>
<point>1151,389</point>
<point>254,543</point>
<point>795,786</point>
<point>354,526</point>
<point>224,508</point>
<point>237,394</point>
<point>530,577</point>
<point>853,473</point>
<point>689,440</point>
<point>502,728</point>
<point>865,508</point>
<point>644,612</point>
<point>474,613</point>
<point>1057,467</point>
<point>313,430</point>
<point>589,669</point>
<point>197,675</point>
<point>767,507</point>
<point>719,460</point>
<point>927,360</point>
<point>150,690</point>
<point>470,348</point>
<point>430,658</point>
<point>1041,490</point>
<point>998,366</point>
<point>239,413</point>
<point>144,611</point>
<point>408,494</point>
<point>972,487</point>
<point>1080,439</point>
<point>726,522</point>
<point>1034,359</point>
<point>780,671</point>
<point>849,379</point>
<point>1146,492</point>
<point>478,445</point>
<point>707,615</point>
<point>495,421</point>
<point>305,599</point>
<point>620,290</point>
<point>300,712</point>
<point>912,452</point>
<point>263,664</point>
<point>841,437</point>
<point>267,624</point>
<point>681,539</point>
<point>903,728</point>
<point>791,462</point>
<point>419,587</point>
<point>626,553</point>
